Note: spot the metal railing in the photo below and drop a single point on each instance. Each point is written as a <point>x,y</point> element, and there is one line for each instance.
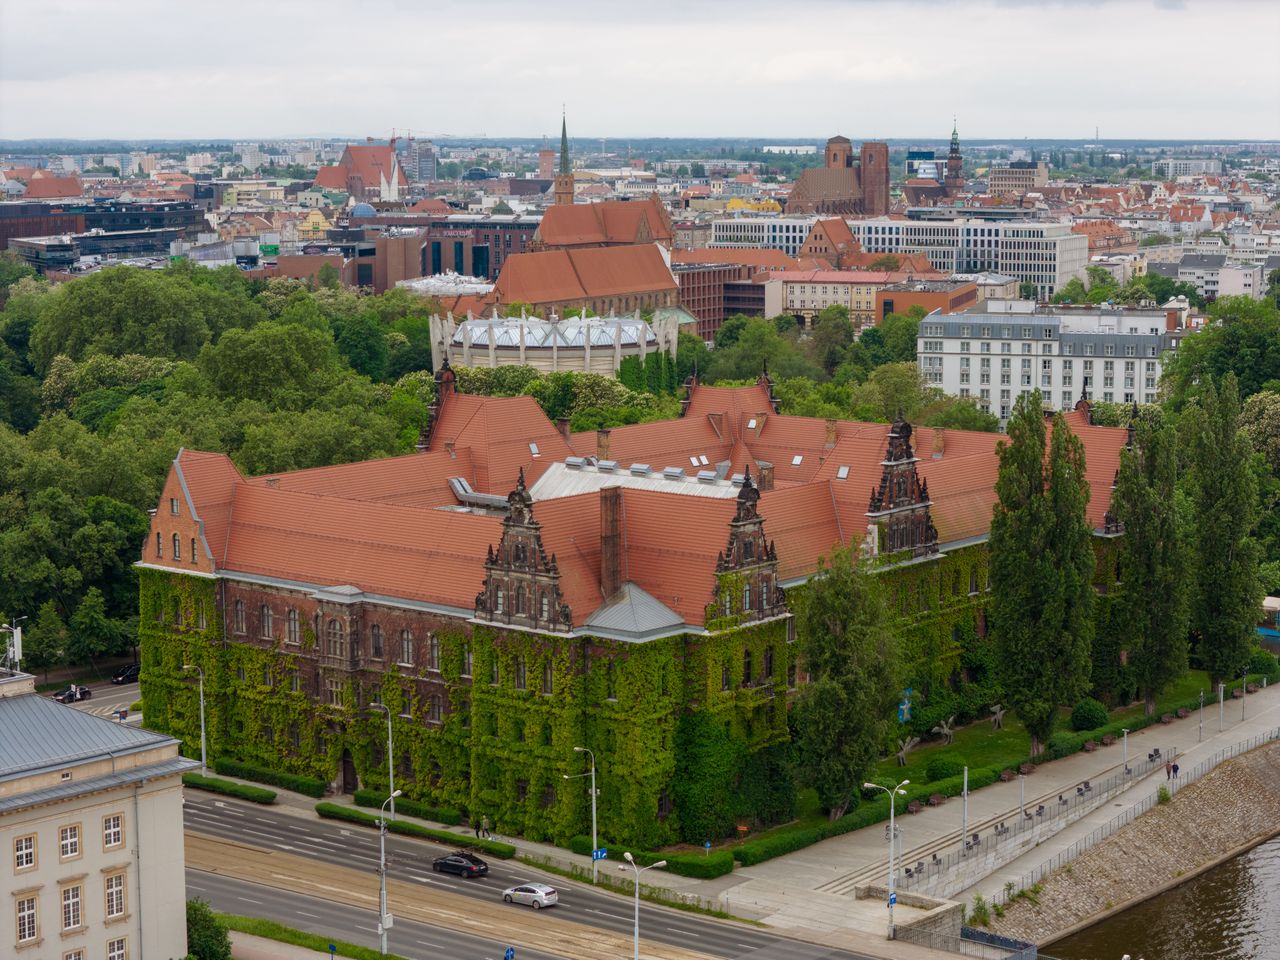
<point>1056,812</point>
<point>1184,779</point>
<point>971,943</point>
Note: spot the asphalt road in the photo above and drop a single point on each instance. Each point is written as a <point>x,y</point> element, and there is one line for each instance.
<point>331,919</point>
<point>107,698</point>
<point>409,860</point>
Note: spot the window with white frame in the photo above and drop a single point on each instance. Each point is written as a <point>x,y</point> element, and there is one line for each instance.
<point>69,842</point>
<point>118,949</point>
<point>112,831</point>
<point>406,648</point>
<point>24,852</point>
<point>292,633</point>
<point>72,915</point>
<point>28,919</point>
<point>114,888</point>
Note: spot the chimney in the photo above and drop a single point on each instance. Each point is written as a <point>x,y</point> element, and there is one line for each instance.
<point>610,540</point>
<point>602,444</point>
<point>830,440</point>
<point>273,481</point>
<point>764,479</point>
<point>448,445</point>
<point>562,424</point>
<point>939,443</point>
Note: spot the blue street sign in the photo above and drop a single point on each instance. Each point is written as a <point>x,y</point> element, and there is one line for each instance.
<point>333,949</point>
<point>893,898</point>
<point>601,854</point>
<point>707,844</point>
<point>510,954</point>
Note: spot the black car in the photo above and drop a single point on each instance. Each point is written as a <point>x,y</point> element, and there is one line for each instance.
<point>126,674</point>
<point>72,694</point>
<point>462,863</point>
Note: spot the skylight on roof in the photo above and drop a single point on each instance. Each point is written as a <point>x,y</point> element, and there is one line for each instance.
<point>533,448</point>
<point>842,473</point>
<point>694,461</point>
<point>751,424</point>
<point>703,459</point>
<point>797,459</point>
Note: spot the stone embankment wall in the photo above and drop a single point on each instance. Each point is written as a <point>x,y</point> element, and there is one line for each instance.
<point>1232,808</point>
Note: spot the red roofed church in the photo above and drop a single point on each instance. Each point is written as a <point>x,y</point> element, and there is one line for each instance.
<point>369,172</point>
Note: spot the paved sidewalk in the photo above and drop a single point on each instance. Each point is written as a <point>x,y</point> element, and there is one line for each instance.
<point>245,946</point>
<point>809,893</point>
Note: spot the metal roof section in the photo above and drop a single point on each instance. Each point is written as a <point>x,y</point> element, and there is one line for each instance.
<point>41,734</point>
<point>537,333</point>
<point>635,615</point>
<point>571,479</point>
<point>79,788</point>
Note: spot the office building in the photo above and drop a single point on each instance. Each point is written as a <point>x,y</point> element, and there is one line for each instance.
<point>91,828</point>
<point>1017,178</point>
<point>1004,348</point>
<point>1213,275</point>
<point>785,233</point>
<point>1171,168</point>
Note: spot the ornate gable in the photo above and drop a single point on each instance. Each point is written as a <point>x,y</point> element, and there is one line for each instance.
<point>521,585</point>
<point>753,562</point>
<point>899,506</point>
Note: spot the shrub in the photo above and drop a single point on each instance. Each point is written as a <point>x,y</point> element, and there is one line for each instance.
<point>413,808</point>
<point>1264,662</point>
<point>979,916</point>
<point>580,845</point>
<point>706,866</point>
<point>229,787</point>
<point>941,767</point>
<point>207,937</point>
<point>307,786</point>
<point>333,811</point>
<point>135,707</point>
<point>1162,795</point>
<point>1089,714</point>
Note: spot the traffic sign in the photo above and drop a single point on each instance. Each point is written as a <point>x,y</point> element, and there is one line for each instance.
<point>510,954</point>
<point>893,898</point>
<point>333,949</point>
<point>601,854</point>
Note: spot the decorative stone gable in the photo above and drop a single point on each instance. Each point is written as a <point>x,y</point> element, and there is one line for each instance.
<point>899,506</point>
<point>446,381</point>
<point>751,562</point>
<point>521,585</point>
<point>766,381</point>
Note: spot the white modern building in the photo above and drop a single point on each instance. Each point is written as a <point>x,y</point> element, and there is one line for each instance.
<point>1172,167</point>
<point>1045,253</point>
<point>1004,348</point>
<point>91,826</point>
<point>1213,275</point>
<point>762,232</point>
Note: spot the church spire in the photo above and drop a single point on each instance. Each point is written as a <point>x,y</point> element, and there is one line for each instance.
<point>564,145</point>
<point>562,189</point>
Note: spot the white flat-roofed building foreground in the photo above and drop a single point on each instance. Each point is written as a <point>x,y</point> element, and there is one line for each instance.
<point>1009,347</point>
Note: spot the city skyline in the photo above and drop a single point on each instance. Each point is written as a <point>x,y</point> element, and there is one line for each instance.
<point>149,72</point>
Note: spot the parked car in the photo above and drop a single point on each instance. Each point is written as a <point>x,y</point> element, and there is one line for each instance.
<point>72,694</point>
<point>536,895</point>
<point>462,863</point>
<point>127,674</point>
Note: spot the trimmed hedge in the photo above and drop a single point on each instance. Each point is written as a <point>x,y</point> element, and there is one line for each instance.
<point>372,798</point>
<point>285,781</point>
<point>1088,714</point>
<point>581,845</point>
<point>942,767</point>
<point>702,865</point>
<point>229,788</point>
<point>333,811</point>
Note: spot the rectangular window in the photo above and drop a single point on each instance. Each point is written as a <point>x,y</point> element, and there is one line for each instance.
<point>24,852</point>
<point>333,691</point>
<point>115,896</point>
<point>118,949</point>
<point>71,915</point>
<point>69,842</point>
<point>295,683</point>
<point>112,831</point>
<point>73,955</point>
<point>28,919</point>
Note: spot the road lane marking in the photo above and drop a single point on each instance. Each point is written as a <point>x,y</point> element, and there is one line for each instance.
<point>248,900</point>
<point>301,913</point>
<point>614,915</point>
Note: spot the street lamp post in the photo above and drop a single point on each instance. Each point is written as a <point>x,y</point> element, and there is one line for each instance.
<point>15,646</point>
<point>1200,735</point>
<point>1222,688</point>
<point>639,870</point>
<point>1125,732</point>
<point>893,796</point>
<point>391,760</point>
<point>204,759</point>
<point>595,845</point>
<point>1244,693</point>
<point>384,921</point>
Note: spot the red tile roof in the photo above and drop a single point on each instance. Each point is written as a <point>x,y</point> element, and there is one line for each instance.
<point>331,178</point>
<point>53,188</point>
<point>762,259</point>
<point>610,223</point>
<point>559,276</point>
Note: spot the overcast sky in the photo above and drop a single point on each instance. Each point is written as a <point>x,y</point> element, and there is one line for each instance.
<point>788,69</point>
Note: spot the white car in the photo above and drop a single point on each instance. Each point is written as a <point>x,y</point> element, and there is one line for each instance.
<point>536,895</point>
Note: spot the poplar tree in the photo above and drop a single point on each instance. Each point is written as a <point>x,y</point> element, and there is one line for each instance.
<point>1224,491</point>
<point>1041,569</point>
<point>1153,559</point>
<point>842,717</point>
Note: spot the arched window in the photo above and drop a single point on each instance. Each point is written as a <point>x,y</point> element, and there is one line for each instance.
<point>746,668</point>
<point>193,549</point>
<point>177,547</point>
<point>336,638</point>
<point>159,546</point>
<point>239,608</point>
<point>406,648</point>
<point>291,625</point>
<point>768,663</point>
<point>746,597</point>
<point>375,641</point>
<point>466,660</point>
<point>435,709</point>
<point>433,652</point>
<point>264,621</point>
<point>547,678</point>
<point>724,677</point>
<point>520,674</point>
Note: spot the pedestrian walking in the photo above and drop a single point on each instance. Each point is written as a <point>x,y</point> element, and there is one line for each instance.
<point>1168,769</point>
<point>1175,771</point>
<point>484,825</point>
<point>477,826</point>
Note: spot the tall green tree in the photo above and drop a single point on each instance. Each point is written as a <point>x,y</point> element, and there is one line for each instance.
<point>843,714</point>
<point>1153,558</point>
<point>44,642</point>
<point>93,633</point>
<point>1224,491</point>
<point>1041,569</point>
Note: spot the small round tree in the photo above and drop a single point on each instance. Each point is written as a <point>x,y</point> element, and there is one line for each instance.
<point>207,937</point>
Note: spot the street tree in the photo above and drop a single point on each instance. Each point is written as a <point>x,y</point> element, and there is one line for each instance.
<point>850,652</point>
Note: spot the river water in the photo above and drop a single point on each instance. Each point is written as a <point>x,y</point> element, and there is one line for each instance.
<point>1231,912</point>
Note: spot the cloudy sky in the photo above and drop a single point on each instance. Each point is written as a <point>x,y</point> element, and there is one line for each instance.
<point>784,68</point>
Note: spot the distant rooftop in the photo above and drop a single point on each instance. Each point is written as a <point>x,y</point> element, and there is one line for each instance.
<point>587,475</point>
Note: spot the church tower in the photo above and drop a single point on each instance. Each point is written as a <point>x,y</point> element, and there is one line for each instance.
<point>955,165</point>
<point>563,189</point>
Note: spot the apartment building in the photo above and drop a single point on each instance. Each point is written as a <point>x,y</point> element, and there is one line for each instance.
<point>1045,253</point>
<point>806,293</point>
<point>1004,348</point>
<point>1213,275</point>
<point>774,233</point>
<point>1017,178</point>
<point>91,823</point>
<point>1171,168</point>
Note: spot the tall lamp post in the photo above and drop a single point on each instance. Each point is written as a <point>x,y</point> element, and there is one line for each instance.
<point>1200,735</point>
<point>384,921</point>
<point>893,796</point>
<point>595,845</point>
<point>204,764</point>
<point>15,646</point>
<point>1125,733</point>
<point>391,760</point>
<point>639,870</point>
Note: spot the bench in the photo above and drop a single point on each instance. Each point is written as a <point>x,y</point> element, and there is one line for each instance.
<point>1108,739</point>
<point>937,800</point>
<point>1090,746</point>
<point>915,806</point>
<point>1183,713</point>
<point>1007,774</point>
<point>1166,718</point>
<point>1026,769</point>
